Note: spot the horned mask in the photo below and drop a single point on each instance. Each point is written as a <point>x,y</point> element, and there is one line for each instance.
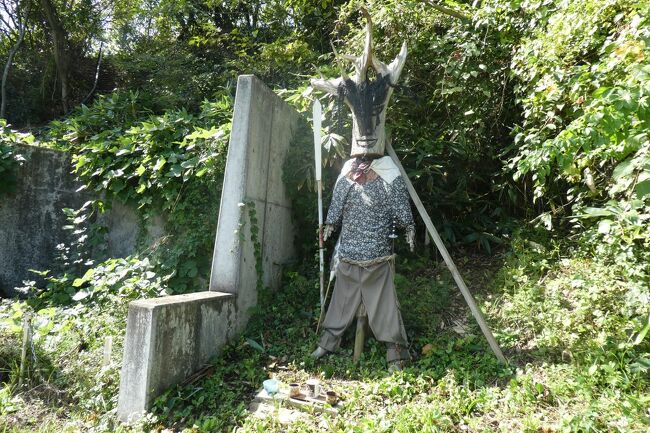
<point>366,94</point>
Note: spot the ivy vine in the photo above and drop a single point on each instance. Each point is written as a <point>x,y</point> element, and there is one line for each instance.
<point>248,207</point>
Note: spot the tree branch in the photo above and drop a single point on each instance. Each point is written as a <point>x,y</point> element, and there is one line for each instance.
<point>15,16</point>
<point>99,65</point>
<point>22,27</point>
<point>6,23</point>
<point>447,11</point>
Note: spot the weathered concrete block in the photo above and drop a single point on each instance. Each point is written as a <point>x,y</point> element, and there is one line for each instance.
<point>31,216</point>
<point>167,339</point>
<point>124,230</point>
<point>262,129</point>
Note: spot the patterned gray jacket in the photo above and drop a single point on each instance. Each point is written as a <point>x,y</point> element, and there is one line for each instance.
<point>365,212</point>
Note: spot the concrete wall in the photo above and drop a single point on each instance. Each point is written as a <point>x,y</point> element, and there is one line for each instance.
<point>263,125</point>
<point>31,218</point>
<point>169,338</point>
<point>123,224</point>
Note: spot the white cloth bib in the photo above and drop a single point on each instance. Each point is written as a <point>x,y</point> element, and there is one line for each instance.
<point>384,167</point>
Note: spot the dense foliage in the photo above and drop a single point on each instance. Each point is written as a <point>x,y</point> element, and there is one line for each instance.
<point>584,80</point>
<point>524,128</point>
<point>10,159</point>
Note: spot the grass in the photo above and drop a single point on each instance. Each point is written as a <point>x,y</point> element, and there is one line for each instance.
<point>570,325</point>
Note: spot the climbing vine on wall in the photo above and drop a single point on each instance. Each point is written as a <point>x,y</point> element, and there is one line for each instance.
<point>10,159</point>
<point>247,208</point>
<point>169,164</point>
<point>150,162</point>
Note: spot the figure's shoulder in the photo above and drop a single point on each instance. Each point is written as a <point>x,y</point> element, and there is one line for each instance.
<point>343,181</point>
<point>385,161</point>
<point>386,168</point>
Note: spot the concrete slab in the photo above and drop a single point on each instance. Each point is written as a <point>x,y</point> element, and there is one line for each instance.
<point>124,229</point>
<point>282,414</point>
<point>167,339</point>
<point>31,216</point>
<point>263,126</point>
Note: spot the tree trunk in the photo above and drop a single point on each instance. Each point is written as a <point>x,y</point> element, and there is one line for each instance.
<point>22,23</point>
<point>99,65</point>
<point>5,73</point>
<point>59,49</point>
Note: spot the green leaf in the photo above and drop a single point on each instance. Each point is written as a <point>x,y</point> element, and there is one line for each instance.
<point>160,164</point>
<point>190,163</point>
<point>80,295</point>
<point>254,344</point>
<point>175,171</point>
<point>117,186</point>
<point>604,226</point>
<point>600,91</point>
<point>639,338</point>
<point>595,212</point>
<point>641,365</point>
<point>643,188</point>
<point>625,168</point>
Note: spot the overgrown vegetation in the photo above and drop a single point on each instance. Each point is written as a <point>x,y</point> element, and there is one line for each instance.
<point>9,158</point>
<point>523,128</point>
<point>584,141</point>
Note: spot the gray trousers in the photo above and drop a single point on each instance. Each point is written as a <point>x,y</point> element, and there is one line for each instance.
<point>374,286</point>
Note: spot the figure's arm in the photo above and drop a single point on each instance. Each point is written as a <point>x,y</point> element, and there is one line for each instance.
<point>402,209</point>
<point>335,211</point>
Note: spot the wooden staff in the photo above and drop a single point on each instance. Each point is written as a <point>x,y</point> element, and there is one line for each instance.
<point>319,184</point>
<point>476,312</point>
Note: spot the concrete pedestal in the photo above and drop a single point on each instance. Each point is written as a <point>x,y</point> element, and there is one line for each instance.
<point>167,340</point>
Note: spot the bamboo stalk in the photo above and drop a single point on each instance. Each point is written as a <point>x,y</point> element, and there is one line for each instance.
<point>321,245</point>
<point>476,312</point>
<point>318,171</point>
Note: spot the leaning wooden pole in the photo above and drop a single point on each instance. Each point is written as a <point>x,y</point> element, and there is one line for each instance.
<point>476,312</point>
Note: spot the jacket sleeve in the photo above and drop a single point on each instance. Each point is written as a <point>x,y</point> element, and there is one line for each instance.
<point>335,211</point>
<point>402,205</point>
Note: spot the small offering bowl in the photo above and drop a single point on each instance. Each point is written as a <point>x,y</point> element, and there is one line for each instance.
<point>271,386</point>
